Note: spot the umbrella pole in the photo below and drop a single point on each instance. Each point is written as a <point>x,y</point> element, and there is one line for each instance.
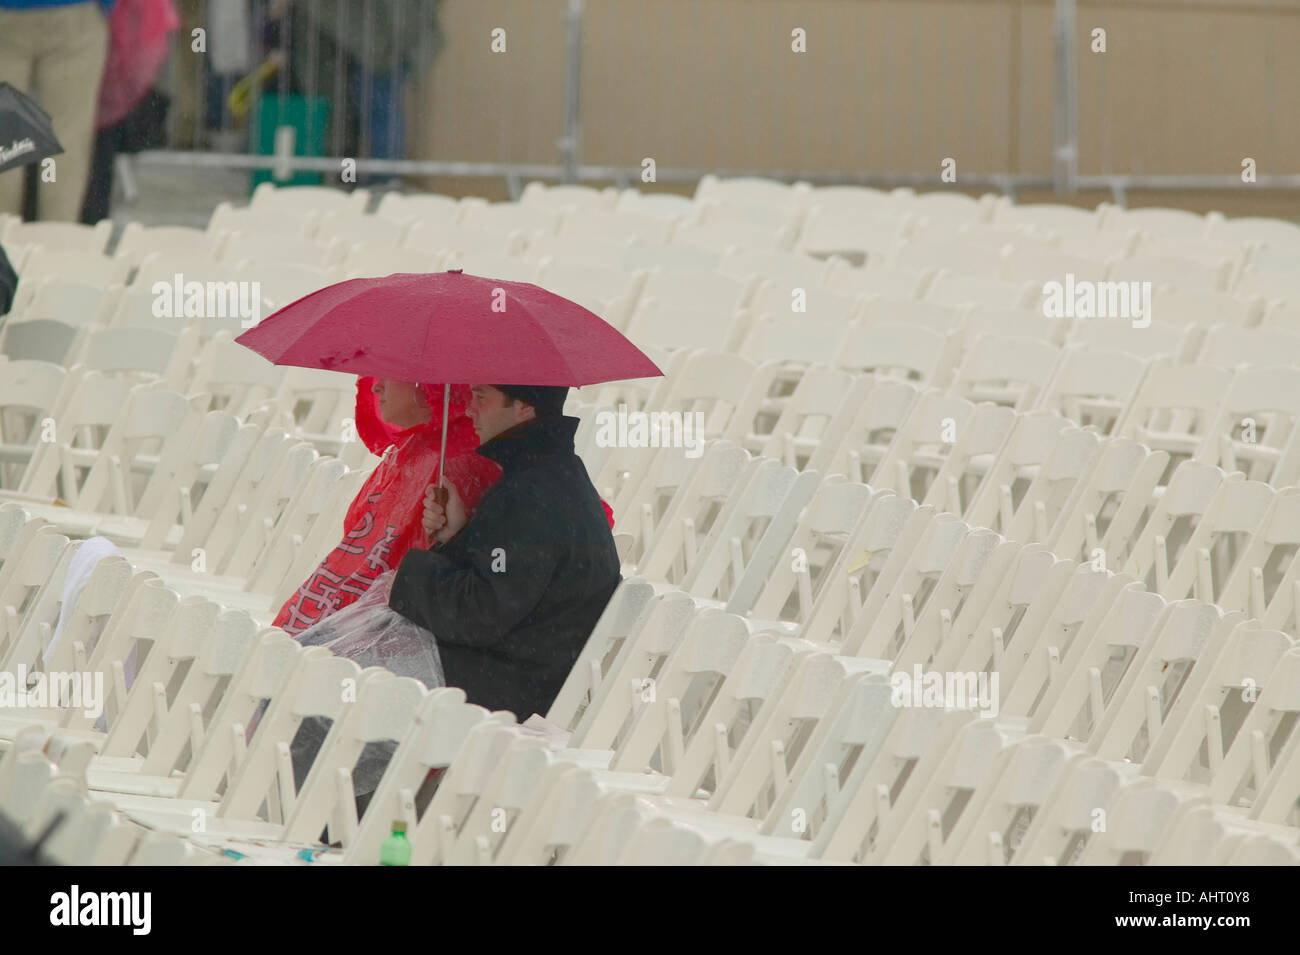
<point>441,493</point>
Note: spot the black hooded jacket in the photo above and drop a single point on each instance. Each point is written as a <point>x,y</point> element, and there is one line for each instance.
<point>513,597</point>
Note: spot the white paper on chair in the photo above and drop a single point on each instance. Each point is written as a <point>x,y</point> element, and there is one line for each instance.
<point>82,565</point>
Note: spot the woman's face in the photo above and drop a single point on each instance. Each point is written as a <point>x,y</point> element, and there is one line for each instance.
<point>401,403</point>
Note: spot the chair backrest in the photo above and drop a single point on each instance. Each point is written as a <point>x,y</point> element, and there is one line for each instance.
<point>318,687</point>
<point>672,546</point>
<point>35,558</point>
<point>33,637</point>
<point>136,350</point>
<point>264,674</point>
<point>863,811</point>
<point>231,640</point>
<point>314,500</point>
<point>640,656</point>
<point>140,717</point>
<point>31,394</point>
<point>69,302</point>
<point>438,730</point>
<point>257,522</point>
<point>252,460</point>
<point>89,266</point>
<point>1135,824</point>
<point>990,829</point>
<point>860,562</point>
<point>137,241</point>
<point>933,424</point>
<point>851,732</point>
<point>666,709</point>
<point>291,219</point>
<point>815,547</point>
<point>151,421</point>
<point>780,734</point>
<point>297,200</point>
<point>966,585</point>
<point>1069,816</point>
<point>65,236</point>
<point>108,591</point>
<point>1093,385</point>
<point>626,611</point>
<point>1075,701</point>
<point>924,354</point>
<point>940,790</point>
<point>384,709</point>
<point>39,339</point>
<point>1135,717</point>
<point>749,535</point>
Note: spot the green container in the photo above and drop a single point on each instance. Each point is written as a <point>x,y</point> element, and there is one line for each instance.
<point>310,118</point>
<point>396,850</point>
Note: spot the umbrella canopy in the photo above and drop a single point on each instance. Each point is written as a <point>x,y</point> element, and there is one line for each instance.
<point>448,327</point>
<point>26,132</point>
<point>451,327</point>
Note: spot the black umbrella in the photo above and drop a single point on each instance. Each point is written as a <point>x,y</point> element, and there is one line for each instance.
<point>26,132</point>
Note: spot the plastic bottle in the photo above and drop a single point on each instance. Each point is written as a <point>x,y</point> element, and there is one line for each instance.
<point>396,849</point>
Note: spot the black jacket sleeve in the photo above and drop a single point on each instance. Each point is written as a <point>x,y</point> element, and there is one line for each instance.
<point>453,591</point>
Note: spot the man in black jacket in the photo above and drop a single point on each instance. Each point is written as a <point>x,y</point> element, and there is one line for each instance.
<point>513,594</point>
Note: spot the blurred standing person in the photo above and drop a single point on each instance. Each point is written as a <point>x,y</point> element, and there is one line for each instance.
<point>230,56</point>
<point>370,52</point>
<point>55,50</point>
<point>138,46</point>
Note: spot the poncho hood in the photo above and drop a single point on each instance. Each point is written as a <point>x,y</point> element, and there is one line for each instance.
<point>379,435</point>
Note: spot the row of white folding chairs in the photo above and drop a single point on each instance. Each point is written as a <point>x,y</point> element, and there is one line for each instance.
<point>664,291</point>
<point>512,798</point>
<point>169,274</point>
<point>860,713</point>
<point>717,524</point>
<point>714,310</point>
<point>759,192</point>
<point>1231,410</point>
<point>233,508</point>
<point>706,636</point>
<point>280,211</point>
<point>937,445</point>
<point>200,767</point>
<point>314,404</point>
<point>65,827</point>
<point>198,764</point>
<point>475,237</point>
<point>574,818</point>
<point>875,620</point>
<point>862,199</point>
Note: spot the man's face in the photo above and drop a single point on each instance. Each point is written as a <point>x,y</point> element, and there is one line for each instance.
<point>492,412</point>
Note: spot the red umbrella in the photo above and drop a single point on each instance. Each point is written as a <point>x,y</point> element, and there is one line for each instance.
<point>449,327</point>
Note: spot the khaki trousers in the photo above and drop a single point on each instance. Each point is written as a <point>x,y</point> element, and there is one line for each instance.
<point>56,55</point>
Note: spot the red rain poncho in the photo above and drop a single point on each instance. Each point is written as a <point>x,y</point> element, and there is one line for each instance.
<point>385,518</point>
<point>384,521</point>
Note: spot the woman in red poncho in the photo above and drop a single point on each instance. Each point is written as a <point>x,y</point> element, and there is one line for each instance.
<point>401,422</point>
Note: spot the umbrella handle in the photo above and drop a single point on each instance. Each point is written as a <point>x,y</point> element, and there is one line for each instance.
<point>440,493</point>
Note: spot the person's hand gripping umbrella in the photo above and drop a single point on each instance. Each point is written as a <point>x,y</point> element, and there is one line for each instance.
<point>448,327</point>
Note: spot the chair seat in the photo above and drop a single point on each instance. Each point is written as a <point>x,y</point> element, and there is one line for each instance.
<point>13,721</point>
<point>132,784</point>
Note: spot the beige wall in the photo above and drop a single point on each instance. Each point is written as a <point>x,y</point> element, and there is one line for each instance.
<point>886,86</point>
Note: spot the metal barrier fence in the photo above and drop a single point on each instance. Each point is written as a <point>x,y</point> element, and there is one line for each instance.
<point>324,81</point>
